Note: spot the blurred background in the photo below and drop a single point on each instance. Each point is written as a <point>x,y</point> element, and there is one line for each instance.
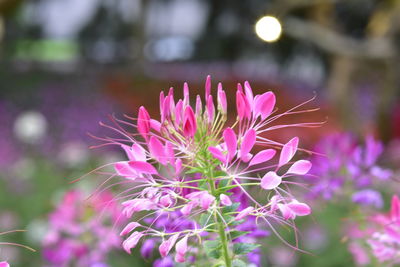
<point>65,65</point>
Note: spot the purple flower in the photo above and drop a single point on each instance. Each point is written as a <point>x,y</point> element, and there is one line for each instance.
<point>368,197</point>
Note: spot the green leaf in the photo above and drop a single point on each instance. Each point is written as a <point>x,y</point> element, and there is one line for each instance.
<point>204,218</point>
<point>213,248</point>
<point>230,208</point>
<point>238,263</point>
<point>244,248</point>
<point>235,234</point>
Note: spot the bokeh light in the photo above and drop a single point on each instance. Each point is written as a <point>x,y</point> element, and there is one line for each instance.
<point>268,29</point>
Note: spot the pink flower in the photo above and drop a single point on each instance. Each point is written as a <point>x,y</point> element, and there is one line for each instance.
<point>181,249</point>
<point>195,163</point>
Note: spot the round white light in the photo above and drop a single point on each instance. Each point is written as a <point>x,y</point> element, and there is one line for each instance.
<point>30,127</point>
<point>268,28</point>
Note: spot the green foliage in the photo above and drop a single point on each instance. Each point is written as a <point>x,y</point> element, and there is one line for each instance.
<point>213,248</point>
<point>238,263</point>
<point>244,248</point>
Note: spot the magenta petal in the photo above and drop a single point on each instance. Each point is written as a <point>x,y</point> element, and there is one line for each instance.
<point>189,122</point>
<point>178,113</point>
<point>181,248</point>
<point>288,151</point>
<point>262,156</point>
<point>129,228</point>
<point>210,109</point>
<point>139,153</point>
<point>244,213</point>
<point>207,87</point>
<point>231,142</point>
<point>123,169</point>
<point>186,99</point>
<point>249,93</point>
<point>4,264</point>
<point>242,105</point>
<point>157,150</point>
<point>287,213</point>
<point>206,200</point>
<point>300,167</point>
<point>199,106</point>
<point>155,125</point>
<point>248,142</point>
<point>167,245</point>
<point>299,209</point>
<point>143,167</point>
<point>225,200</point>
<point>217,153</point>
<point>395,208</point>
<point>143,122</point>
<point>271,180</point>
<point>222,104</point>
<point>131,241</point>
<point>264,105</point>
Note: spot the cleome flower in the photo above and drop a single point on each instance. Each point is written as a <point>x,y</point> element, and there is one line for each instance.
<point>379,234</point>
<point>76,235</point>
<point>195,172</point>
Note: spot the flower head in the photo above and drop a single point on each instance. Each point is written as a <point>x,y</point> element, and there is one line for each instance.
<point>195,173</point>
<point>75,236</point>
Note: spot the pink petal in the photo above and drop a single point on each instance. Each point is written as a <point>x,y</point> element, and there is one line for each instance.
<point>210,109</point>
<point>178,112</point>
<point>288,151</point>
<point>155,125</point>
<point>186,99</point>
<point>143,167</point>
<point>271,180</point>
<point>166,201</point>
<point>246,158</point>
<point>189,122</point>
<point>206,200</point>
<point>180,257</point>
<point>178,166</point>
<point>222,104</point>
<point>199,106</point>
<point>264,105</point>
<point>138,152</point>
<point>248,142</point>
<point>244,213</point>
<point>187,209</point>
<point>217,153</point>
<point>129,228</point>
<point>4,264</point>
<point>262,156</point>
<point>287,213</point>
<point>123,169</point>
<point>231,142</point>
<point>128,151</point>
<point>181,248</point>
<point>225,200</point>
<point>162,98</point>
<point>300,209</point>
<point>132,241</point>
<point>207,87</point>
<point>395,208</point>
<point>242,106</point>
<point>300,167</point>
<point>249,93</point>
<point>143,122</point>
<point>167,245</point>
<point>156,149</point>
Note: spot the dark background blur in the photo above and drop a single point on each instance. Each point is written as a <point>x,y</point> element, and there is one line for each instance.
<point>66,64</point>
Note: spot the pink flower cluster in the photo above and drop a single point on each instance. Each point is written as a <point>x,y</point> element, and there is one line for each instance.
<point>381,236</point>
<point>191,163</point>
<point>81,232</point>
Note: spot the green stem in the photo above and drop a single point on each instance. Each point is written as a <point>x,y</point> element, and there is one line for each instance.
<point>224,241</point>
<point>221,227</point>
